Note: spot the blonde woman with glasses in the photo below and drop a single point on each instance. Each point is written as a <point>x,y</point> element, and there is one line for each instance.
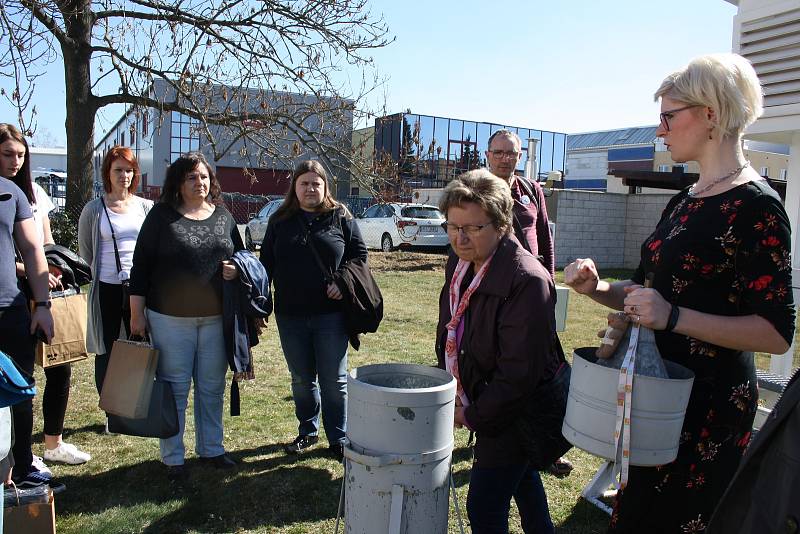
<point>721,291</point>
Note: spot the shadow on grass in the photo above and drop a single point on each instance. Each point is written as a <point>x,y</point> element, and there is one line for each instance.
<point>267,489</point>
<point>585,518</point>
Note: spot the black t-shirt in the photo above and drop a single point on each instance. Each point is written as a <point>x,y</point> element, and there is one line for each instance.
<point>177,262</point>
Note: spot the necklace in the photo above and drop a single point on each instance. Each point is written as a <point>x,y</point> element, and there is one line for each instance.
<point>734,172</point>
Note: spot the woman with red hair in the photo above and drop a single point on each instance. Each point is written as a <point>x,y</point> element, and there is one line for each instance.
<point>107,233</point>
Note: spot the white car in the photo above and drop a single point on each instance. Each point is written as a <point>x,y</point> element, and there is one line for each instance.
<point>389,226</point>
<point>257,226</point>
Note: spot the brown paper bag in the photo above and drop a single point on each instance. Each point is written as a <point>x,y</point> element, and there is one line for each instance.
<point>129,379</point>
<point>39,518</point>
<point>69,322</point>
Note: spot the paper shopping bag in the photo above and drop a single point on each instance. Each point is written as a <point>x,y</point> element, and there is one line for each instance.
<point>69,323</point>
<point>38,517</point>
<point>128,384</point>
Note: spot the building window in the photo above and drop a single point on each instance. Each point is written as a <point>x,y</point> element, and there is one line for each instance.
<point>784,174</point>
<point>354,191</point>
<point>184,135</point>
<point>764,171</point>
<point>132,131</point>
<point>664,168</point>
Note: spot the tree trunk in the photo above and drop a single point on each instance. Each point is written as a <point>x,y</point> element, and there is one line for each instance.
<point>81,106</point>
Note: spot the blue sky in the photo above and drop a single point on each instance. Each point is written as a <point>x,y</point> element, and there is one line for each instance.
<point>564,65</point>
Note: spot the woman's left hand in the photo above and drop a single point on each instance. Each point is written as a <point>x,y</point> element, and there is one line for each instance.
<point>42,319</point>
<point>646,307</point>
<point>229,271</point>
<point>333,291</point>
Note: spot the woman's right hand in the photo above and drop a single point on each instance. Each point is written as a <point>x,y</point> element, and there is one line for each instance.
<point>581,275</point>
<point>138,324</point>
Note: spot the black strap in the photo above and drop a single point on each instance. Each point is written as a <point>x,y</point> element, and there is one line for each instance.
<point>113,236</point>
<point>309,240</point>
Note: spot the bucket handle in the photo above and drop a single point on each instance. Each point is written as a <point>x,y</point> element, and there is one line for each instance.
<point>622,428</point>
<point>383,460</point>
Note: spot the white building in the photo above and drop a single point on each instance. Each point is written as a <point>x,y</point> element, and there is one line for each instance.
<point>767,32</point>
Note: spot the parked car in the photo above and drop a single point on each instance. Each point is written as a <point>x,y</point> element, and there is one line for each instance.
<point>257,226</point>
<point>388,226</point>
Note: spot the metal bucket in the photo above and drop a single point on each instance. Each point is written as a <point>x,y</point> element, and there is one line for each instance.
<point>657,412</point>
<point>397,460</point>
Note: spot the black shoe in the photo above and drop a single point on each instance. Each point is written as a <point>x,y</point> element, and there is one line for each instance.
<point>223,461</point>
<point>337,451</point>
<point>300,443</point>
<point>177,473</point>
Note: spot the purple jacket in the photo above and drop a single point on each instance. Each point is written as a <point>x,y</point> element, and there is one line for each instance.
<point>507,348</point>
<point>533,219</point>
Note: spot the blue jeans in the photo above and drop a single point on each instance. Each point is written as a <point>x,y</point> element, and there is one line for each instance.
<point>489,499</point>
<point>192,349</point>
<point>315,348</point>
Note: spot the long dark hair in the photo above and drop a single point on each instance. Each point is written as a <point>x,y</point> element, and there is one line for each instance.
<point>23,177</point>
<point>176,175</point>
<point>291,204</point>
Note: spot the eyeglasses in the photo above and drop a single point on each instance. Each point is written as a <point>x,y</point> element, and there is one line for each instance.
<point>470,230</point>
<point>505,154</point>
<point>667,116</point>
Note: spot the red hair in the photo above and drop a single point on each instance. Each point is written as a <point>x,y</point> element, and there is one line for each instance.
<point>123,153</point>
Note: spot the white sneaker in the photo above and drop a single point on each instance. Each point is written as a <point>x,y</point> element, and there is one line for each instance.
<point>39,465</point>
<point>66,453</point>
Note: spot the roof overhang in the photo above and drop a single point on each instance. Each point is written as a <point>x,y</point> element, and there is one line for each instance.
<point>778,124</point>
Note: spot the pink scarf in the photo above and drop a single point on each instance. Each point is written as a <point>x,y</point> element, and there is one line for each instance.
<point>458,305</point>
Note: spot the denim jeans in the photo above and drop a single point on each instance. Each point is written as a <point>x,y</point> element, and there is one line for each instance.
<point>315,348</point>
<point>489,499</point>
<point>192,349</point>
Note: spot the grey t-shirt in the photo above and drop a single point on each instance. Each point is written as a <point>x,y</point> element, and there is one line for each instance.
<point>14,207</point>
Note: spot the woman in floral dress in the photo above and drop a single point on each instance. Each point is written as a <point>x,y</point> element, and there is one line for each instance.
<point>721,291</point>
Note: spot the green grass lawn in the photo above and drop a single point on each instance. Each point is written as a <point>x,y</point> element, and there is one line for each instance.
<point>124,489</point>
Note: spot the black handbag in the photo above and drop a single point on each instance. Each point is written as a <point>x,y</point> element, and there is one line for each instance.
<point>161,420</point>
<point>539,425</point>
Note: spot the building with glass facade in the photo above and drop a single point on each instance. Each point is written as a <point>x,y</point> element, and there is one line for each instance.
<point>429,151</point>
<point>158,138</point>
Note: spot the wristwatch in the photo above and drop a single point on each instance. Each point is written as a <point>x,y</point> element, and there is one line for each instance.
<point>42,303</point>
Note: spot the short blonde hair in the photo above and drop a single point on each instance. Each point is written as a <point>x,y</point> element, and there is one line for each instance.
<point>483,188</point>
<point>726,83</point>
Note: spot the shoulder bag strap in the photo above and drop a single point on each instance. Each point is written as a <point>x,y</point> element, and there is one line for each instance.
<point>527,187</point>
<point>113,236</point>
<point>308,238</point>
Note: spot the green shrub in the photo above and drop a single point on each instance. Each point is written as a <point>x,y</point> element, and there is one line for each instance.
<point>64,227</point>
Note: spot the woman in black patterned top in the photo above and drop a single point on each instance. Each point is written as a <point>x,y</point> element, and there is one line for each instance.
<point>721,291</point>
<point>181,257</point>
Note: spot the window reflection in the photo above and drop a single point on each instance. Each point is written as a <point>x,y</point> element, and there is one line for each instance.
<point>546,159</point>
<point>429,151</point>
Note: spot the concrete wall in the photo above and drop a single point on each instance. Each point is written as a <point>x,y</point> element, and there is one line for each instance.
<point>606,227</point>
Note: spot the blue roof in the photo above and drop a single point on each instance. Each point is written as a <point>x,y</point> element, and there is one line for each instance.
<point>625,136</point>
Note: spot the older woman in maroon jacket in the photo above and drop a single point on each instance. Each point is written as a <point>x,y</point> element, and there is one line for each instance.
<point>496,334</point>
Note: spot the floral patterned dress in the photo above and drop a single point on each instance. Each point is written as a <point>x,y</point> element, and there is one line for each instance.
<point>726,254</point>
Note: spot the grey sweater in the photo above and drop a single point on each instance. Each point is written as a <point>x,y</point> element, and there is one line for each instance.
<point>89,249</point>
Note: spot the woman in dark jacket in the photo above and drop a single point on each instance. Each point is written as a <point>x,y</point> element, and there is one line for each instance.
<point>309,238</point>
<point>496,335</point>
